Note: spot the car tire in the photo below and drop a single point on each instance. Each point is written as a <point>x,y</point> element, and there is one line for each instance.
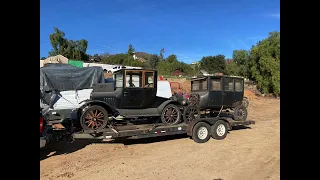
<point>201,132</point>
<point>219,130</point>
<point>94,113</point>
<point>173,109</point>
<point>245,103</point>
<point>240,113</point>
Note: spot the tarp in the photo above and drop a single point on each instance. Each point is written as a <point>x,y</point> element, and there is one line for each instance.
<point>56,59</point>
<point>55,78</point>
<point>64,77</point>
<point>76,63</point>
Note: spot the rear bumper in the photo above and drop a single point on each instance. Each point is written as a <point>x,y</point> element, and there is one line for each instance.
<point>43,142</point>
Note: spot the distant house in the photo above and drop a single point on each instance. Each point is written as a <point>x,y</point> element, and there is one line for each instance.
<point>95,59</point>
<point>176,72</point>
<point>140,56</point>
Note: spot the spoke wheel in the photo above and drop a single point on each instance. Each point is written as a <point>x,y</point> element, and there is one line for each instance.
<point>194,99</point>
<point>94,117</point>
<point>171,114</point>
<point>191,113</point>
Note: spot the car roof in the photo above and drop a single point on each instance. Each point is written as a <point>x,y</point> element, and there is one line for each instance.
<point>143,69</point>
<point>205,77</point>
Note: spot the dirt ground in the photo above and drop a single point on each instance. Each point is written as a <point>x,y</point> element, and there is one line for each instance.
<point>252,153</point>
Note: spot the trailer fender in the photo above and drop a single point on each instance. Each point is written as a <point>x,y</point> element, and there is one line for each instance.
<point>210,121</point>
<point>103,104</point>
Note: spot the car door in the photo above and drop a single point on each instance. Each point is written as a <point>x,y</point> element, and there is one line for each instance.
<point>149,88</point>
<point>238,89</point>
<point>133,94</point>
<point>215,92</point>
<point>228,91</point>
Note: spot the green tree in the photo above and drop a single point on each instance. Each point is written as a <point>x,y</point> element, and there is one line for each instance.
<point>153,61</point>
<point>232,68</point>
<point>241,58</point>
<point>264,64</point>
<point>171,58</point>
<point>68,48</point>
<point>43,58</point>
<point>161,54</point>
<point>213,64</point>
<point>130,50</point>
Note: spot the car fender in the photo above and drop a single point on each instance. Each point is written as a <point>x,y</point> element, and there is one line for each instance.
<point>105,105</point>
<point>169,101</point>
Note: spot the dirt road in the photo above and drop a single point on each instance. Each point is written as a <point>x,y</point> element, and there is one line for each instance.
<point>245,154</point>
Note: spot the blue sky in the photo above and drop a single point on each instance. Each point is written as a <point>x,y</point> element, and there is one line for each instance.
<point>190,29</point>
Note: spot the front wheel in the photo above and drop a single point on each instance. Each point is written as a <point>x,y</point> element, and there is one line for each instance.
<point>201,132</point>
<point>94,118</point>
<point>219,130</point>
<point>171,114</point>
<point>191,113</point>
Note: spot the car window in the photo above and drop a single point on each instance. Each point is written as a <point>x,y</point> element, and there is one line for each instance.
<point>228,84</point>
<point>119,80</point>
<point>133,79</point>
<point>199,85</point>
<point>238,85</point>
<point>216,85</point>
<point>149,80</point>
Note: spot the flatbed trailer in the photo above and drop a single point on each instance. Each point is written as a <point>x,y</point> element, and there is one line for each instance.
<point>200,130</point>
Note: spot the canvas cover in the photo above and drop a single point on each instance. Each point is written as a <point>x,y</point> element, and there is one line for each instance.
<point>55,78</point>
<point>56,59</point>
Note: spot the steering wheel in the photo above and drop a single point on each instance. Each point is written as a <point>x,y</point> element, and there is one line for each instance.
<point>149,84</point>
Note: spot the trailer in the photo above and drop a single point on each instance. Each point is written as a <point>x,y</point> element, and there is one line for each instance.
<point>200,130</point>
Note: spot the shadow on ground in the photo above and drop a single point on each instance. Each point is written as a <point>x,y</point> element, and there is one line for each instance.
<point>63,147</point>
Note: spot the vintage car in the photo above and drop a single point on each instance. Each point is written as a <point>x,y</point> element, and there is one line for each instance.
<point>217,93</point>
<point>135,94</point>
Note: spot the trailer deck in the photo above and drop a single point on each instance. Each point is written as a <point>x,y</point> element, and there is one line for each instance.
<point>153,130</point>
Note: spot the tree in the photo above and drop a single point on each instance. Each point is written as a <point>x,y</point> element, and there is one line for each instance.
<point>241,58</point>
<point>68,48</point>
<point>213,64</point>
<point>161,54</point>
<point>130,50</point>
<point>232,68</point>
<point>153,61</point>
<point>171,58</point>
<point>264,64</point>
<point>43,58</point>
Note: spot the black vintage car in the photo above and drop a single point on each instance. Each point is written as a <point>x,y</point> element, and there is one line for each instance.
<point>217,93</point>
<point>133,95</point>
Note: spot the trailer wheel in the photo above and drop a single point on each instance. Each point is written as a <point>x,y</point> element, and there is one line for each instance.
<point>240,113</point>
<point>201,132</point>
<point>219,130</point>
<point>171,114</point>
<point>93,118</point>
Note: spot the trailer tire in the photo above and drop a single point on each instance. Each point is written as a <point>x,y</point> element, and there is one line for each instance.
<point>201,132</point>
<point>219,130</point>
<point>94,117</point>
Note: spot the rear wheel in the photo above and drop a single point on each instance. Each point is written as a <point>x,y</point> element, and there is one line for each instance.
<point>171,114</point>
<point>94,118</point>
<point>245,103</point>
<point>240,113</point>
<point>201,132</point>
